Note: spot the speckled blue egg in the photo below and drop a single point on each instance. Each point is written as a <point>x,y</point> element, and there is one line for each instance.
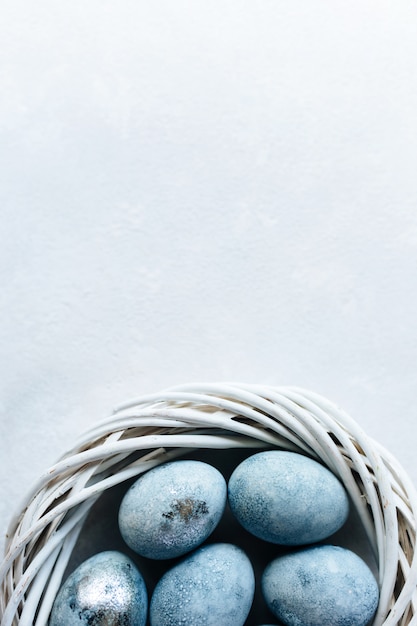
<point>172,509</point>
<point>321,586</point>
<point>213,586</point>
<point>105,590</point>
<point>287,498</point>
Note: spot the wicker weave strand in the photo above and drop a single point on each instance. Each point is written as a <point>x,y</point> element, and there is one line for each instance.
<point>152,429</point>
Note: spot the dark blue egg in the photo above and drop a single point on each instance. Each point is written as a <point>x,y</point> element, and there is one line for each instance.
<point>286,498</point>
<point>172,509</point>
<point>213,586</point>
<point>105,590</point>
<point>321,586</point>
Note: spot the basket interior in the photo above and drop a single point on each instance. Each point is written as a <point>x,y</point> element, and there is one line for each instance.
<point>101,532</point>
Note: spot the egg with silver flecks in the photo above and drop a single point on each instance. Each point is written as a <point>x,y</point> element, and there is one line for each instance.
<point>172,509</point>
<point>287,498</point>
<point>105,590</point>
<point>322,585</point>
<point>214,585</point>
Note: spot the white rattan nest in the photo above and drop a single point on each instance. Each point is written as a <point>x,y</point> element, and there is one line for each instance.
<point>153,429</point>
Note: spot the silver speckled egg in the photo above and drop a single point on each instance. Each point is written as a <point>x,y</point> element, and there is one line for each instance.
<point>287,498</point>
<point>172,509</point>
<point>105,590</point>
<point>321,586</point>
<point>213,586</point>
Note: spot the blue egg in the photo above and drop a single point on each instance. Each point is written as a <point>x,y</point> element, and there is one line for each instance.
<point>172,509</point>
<point>105,590</point>
<point>212,586</point>
<point>321,586</point>
<point>286,498</point>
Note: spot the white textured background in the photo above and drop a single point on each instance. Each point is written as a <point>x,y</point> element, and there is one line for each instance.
<point>192,190</point>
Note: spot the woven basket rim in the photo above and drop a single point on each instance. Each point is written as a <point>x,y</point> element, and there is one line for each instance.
<point>162,426</point>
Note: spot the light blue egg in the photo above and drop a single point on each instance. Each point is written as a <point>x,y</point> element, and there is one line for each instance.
<point>213,586</point>
<point>321,586</point>
<point>287,498</point>
<point>105,590</point>
<point>172,509</point>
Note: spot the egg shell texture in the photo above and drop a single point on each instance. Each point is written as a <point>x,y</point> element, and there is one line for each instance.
<point>287,498</point>
<point>172,509</point>
<point>214,585</point>
<point>321,586</point>
<point>105,590</point>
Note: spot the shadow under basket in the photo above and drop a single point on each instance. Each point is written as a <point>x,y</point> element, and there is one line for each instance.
<point>54,527</point>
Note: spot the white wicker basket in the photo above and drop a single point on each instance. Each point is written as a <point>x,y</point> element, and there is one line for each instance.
<point>152,429</point>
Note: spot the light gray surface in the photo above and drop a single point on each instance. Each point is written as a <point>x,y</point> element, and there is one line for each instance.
<point>204,191</point>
